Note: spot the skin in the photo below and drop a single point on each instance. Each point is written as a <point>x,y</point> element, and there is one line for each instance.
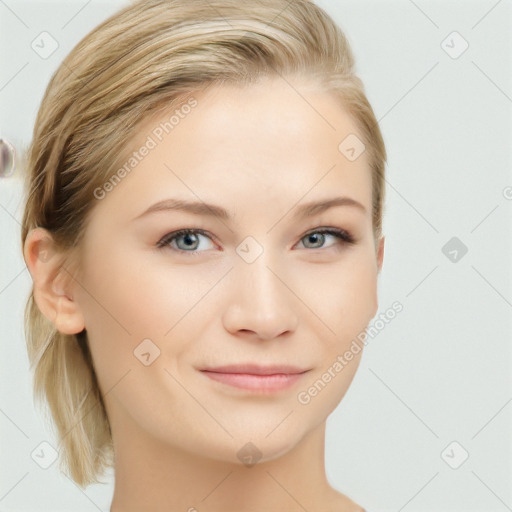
<point>256,151</point>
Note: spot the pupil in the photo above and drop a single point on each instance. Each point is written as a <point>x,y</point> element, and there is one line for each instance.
<point>314,236</point>
<point>189,239</point>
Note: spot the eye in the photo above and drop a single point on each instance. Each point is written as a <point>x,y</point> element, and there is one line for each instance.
<point>191,241</point>
<point>189,237</point>
<point>318,237</point>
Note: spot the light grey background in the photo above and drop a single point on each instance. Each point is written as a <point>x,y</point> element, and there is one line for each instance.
<point>439,372</point>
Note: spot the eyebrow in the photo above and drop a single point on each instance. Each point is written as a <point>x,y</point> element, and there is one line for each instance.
<point>211,210</point>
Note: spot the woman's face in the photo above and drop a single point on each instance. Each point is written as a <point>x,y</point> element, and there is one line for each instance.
<point>257,284</point>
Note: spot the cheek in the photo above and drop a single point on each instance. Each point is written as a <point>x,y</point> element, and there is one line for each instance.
<point>345,301</point>
<point>175,298</point>
<point>140,295</point>
<point>358,296</point>
<point>342,295</point>
<point>119,307</point>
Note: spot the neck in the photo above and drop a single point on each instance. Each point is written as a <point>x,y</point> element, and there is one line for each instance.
<point>153,476</point>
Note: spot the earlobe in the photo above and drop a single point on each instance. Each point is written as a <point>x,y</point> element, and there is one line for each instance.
<point>53,285</point>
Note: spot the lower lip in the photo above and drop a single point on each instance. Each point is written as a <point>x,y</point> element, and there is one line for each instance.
<point>261,383</point>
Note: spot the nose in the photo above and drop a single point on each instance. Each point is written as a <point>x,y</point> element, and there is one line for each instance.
<point>260,305</point>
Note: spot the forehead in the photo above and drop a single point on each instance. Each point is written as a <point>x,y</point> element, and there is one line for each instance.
<point>274,140</point>
<point>275,115</point>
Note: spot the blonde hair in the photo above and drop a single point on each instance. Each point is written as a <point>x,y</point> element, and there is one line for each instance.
<point>142,60</point>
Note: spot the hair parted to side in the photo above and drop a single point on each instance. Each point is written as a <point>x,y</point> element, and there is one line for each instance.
<point>143,60</point>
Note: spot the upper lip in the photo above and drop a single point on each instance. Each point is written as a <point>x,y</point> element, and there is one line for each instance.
<point>254,369</point>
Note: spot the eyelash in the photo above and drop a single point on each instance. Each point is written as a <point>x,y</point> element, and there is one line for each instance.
<point>344,236</point>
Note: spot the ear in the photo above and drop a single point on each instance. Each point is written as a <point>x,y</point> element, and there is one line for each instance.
<point>53,283</point>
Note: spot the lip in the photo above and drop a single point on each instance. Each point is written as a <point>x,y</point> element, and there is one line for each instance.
<point>262,379</point>
<point>255,369</point>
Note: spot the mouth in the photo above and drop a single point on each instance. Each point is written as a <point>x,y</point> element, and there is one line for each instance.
<point>261,379</point>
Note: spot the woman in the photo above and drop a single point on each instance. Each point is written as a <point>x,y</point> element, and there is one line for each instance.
<point>203,227</point>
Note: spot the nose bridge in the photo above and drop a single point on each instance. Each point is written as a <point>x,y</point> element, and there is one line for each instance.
<point>260,279</point>
<point>264,301</point>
